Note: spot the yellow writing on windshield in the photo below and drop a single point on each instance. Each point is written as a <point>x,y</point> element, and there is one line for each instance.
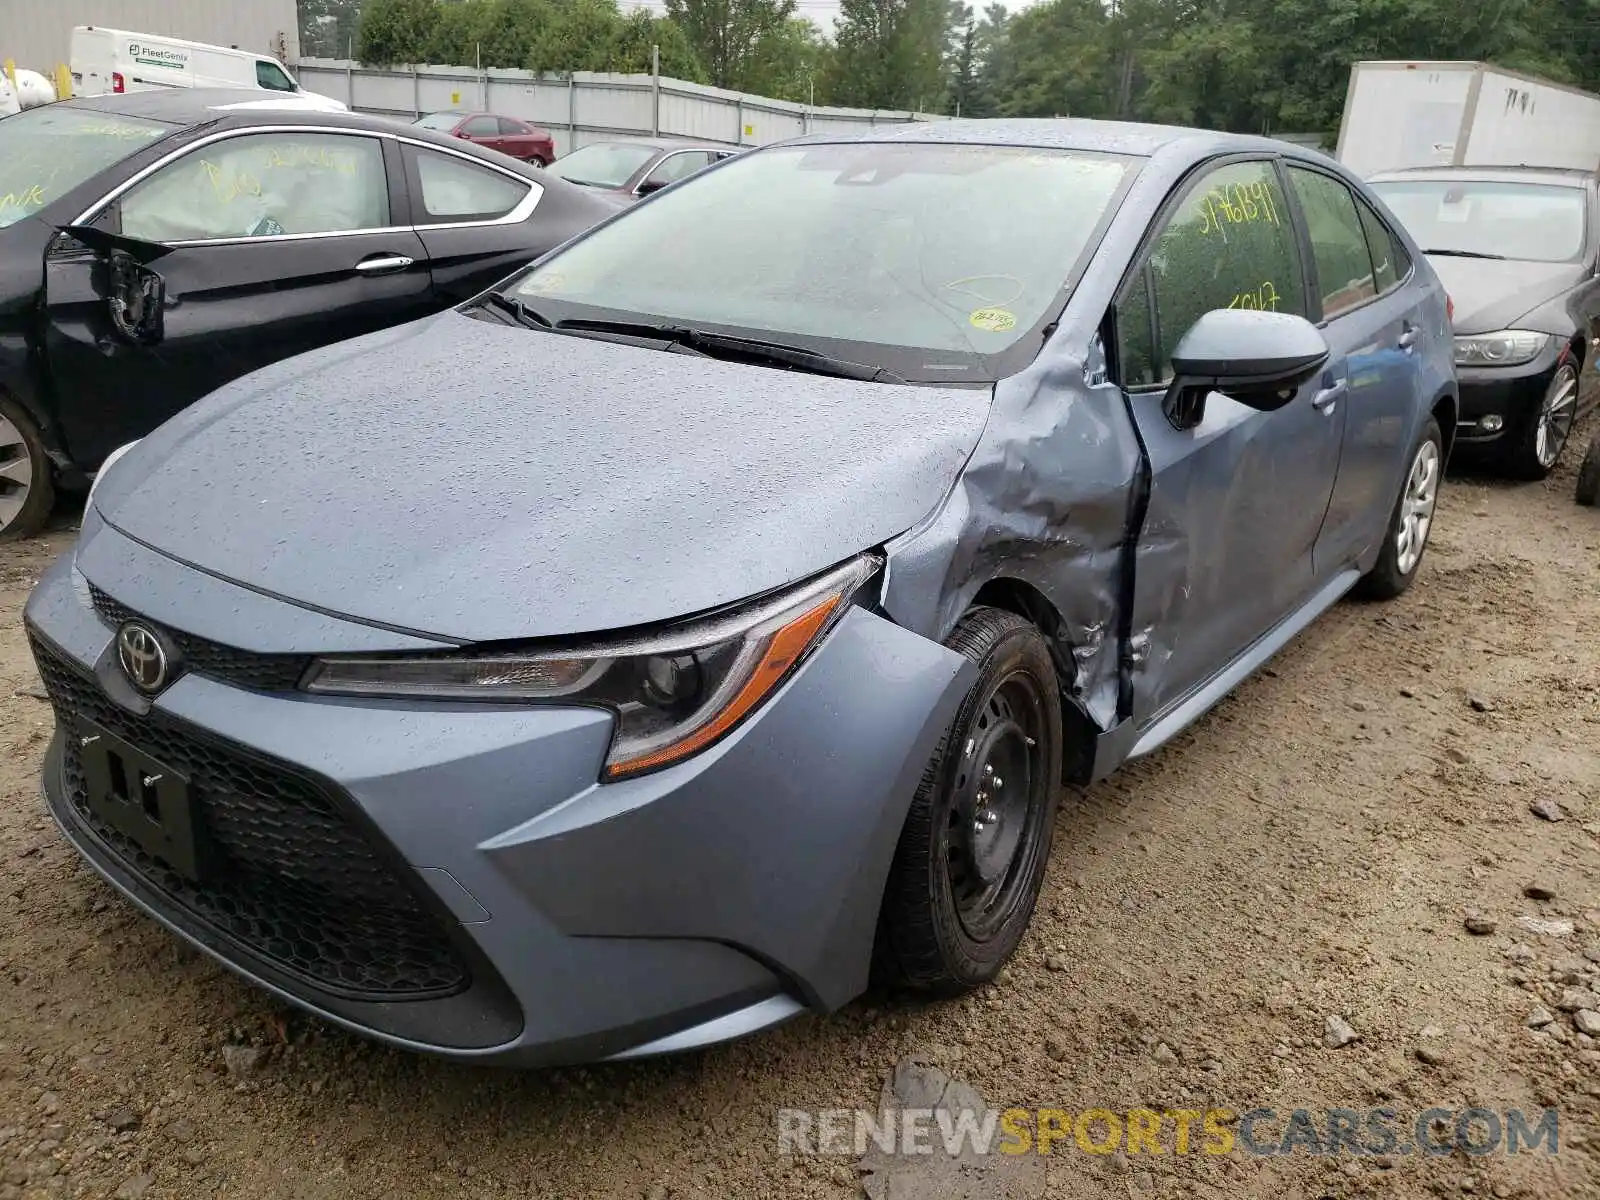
<point>230,185</point>
<point>25,201</point>
<point>1241,204</point>
<point>1263,297</point>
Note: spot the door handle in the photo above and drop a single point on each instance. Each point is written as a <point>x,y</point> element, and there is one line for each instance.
<point>1325,400</point>
<point>1408,339</point>
<point>382,264</point>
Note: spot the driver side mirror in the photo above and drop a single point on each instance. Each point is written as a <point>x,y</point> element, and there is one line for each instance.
<point>136,297</point>
<point>651,185</point>
<point>1259,359</point>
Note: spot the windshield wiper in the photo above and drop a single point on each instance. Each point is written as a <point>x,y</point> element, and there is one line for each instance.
<point>510,306</point>
<point>739,349</point>
<point>1467,254</point>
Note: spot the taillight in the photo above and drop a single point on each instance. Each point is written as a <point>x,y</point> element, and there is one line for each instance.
<point>118,83</point>
<point>1450,308</point>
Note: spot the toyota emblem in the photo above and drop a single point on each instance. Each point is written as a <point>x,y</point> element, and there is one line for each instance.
<point>143,658</point>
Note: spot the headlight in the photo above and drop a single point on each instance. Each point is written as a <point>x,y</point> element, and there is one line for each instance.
<point>110,461</point>
<point>674,693</point>
<point>1507,348</point>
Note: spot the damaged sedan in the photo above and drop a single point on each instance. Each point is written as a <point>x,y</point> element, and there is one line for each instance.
<point>637,655</point>
<point>158,245</point>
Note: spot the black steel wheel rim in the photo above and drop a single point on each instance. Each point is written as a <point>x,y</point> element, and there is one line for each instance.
<point>1000,788</point>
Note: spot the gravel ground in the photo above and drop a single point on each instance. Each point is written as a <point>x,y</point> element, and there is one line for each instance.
<point>1316,848</point>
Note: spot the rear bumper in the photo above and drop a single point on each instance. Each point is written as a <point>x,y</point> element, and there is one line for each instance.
<point>588,921</point>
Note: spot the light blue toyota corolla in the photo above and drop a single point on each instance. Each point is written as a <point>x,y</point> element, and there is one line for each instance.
<point>638,655</point>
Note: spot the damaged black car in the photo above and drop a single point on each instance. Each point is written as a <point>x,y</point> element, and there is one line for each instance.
<point>156,246</point>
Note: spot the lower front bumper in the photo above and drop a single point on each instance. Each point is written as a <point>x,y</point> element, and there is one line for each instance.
<point>1497,403</point>
<point>594,921</point>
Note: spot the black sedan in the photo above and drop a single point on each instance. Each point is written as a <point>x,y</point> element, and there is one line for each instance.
<point>155,246</point>
<point>635,167</point>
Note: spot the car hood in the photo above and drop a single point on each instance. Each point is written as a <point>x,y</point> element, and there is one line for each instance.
<point>478,482</point>
<point>1490,295</point>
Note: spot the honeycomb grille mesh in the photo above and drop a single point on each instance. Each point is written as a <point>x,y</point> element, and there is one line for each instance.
<point>293,880</point>
<point>243,668</point>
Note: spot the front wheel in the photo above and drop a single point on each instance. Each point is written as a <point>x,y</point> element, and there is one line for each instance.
<point>1538,446</point>
<point>973,850</point>
<point>27,491</point>
<point>1412,520</point>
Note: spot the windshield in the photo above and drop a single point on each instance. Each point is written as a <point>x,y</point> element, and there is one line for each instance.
<point>926,259</point>
<point>441,120</point>
<point>47,151</point>
<point>604,164</point>
<point>1534,222</point>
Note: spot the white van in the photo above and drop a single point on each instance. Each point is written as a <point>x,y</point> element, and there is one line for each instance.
<point>112,60</point>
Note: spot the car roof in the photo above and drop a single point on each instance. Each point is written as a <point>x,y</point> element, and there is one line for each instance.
<point>662,143</point>
<point>1054,133</point>
<point>1565,176</point>
<point>186,107</point>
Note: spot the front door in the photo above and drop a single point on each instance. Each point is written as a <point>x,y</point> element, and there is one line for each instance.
<point>1372,324</point>
<point>277,243</point>
<point>1237,496</point>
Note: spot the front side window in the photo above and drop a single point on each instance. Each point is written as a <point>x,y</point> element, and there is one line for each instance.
<point>481,127</point>
<point>47,151</point>
<point>271,76</point>
<point>510,128</point>
<point>263,185</point>
<point>930,260</point>
<point>603,164</point>
<point>1490,218</point>
<point>1229,244</point>
<point>456,190</point>
<point>444,122</point>
<point>675,167</point>
<point>1338,241</point>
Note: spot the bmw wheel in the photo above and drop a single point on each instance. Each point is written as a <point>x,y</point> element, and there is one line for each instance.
<point>973,851</point>
<point>1538,447</point>
<point>1412,521</point>
<point>27,491</point>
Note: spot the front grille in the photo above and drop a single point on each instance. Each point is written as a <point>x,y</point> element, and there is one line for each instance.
<point>244,668</point>
<point>293,880</point>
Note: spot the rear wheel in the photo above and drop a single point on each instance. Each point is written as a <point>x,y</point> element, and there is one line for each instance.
<point>27,491</point>
<point>1538,446</point>
<point>1589,475</point>
<point>973,851</point>
<point>1411,522</point>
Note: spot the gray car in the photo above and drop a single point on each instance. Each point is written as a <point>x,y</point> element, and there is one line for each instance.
<point>629,659</point>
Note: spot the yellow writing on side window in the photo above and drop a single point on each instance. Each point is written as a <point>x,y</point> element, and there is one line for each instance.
<point>229,187</point>
<point>25,201</point>
<point>1263,298</point>
<point>317,158</point>
<point>1241,204</point>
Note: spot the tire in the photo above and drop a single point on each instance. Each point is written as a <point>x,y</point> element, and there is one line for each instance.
<point>1411,520</point>
<point>1589,475</point>
<point>537,161</point>
<point>27,482</point>
<point>1543,436</point>
<point>962,890</point>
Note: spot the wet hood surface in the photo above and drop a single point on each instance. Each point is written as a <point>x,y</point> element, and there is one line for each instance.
<point>479,482</point>
<point>1490,295</point>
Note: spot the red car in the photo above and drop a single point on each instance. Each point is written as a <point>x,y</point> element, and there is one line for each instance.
<point>506,134</point>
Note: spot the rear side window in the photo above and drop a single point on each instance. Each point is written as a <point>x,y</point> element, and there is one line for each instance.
<point>263,185</point>
<point>1390,262</point>
<point>1229,244</point>
<point>1338,241</point>
<point>456,190</point>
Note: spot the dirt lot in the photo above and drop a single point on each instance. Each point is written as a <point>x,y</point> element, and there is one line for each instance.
<point>1311,849</point>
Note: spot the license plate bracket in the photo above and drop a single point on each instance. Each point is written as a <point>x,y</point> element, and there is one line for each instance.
<point>142,798</point>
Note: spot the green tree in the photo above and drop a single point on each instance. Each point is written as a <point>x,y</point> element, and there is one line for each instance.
<point>888,54</point>
<point>395,31</point>
<point>728,36</point>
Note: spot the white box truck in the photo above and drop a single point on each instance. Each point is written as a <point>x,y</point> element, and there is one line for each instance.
<point>114,60</point>
<point>1433,114</point>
